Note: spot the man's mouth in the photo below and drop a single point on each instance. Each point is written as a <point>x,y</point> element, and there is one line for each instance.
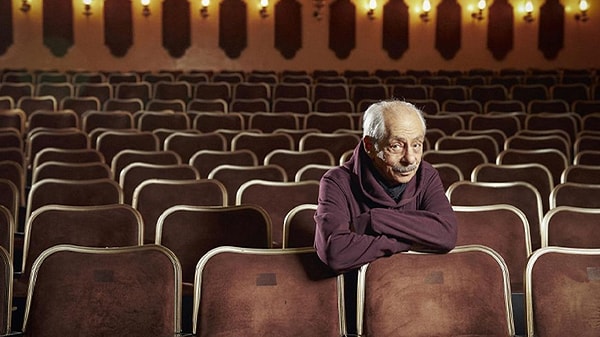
<point>405,170</point>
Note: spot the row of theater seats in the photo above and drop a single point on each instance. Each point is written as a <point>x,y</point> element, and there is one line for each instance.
<point>299,91</point>
<point>258,291</point>
<point>509,117</point>
<point>296,97</point>
<point>503,233</point>
<point>568,133</point>
<point>503,228</point>
<point>567,76</point>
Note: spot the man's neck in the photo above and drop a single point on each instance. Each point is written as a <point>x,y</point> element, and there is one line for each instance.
<point>394,190</point>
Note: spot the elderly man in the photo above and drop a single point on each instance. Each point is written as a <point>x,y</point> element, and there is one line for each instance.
<point>384,200</point>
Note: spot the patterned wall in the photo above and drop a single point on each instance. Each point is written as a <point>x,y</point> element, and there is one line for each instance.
<point>176,27</point>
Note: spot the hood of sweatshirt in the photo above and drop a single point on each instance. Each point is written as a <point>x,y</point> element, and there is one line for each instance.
<point>362,170</point>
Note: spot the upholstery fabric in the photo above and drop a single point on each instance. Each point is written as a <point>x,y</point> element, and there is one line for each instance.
<point>268,295</point>
<point>424,295</point>
<point>565,290</point>
<point>97,294</point>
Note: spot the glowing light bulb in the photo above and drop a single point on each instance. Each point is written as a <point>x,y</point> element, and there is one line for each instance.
<point>372,4</point>
<point>481,4</point>
<point>426,6</point>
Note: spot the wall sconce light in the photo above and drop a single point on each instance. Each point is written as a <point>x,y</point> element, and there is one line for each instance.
<point>263,8</point>
<point>319,4</point>
<point>146,11</point>
<point>479,14</point>
<point>25,6</point>
<point>529,10</point>
<point>583,8</point>
<point>372,7</point>
<point>87,7</point>
<point>426,8</point>
<point>204,8</point>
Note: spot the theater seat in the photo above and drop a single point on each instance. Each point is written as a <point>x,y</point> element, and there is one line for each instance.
<point>465,292</point>
<point>126,291</point>
<point>561,292</point>
<point>266,292</point>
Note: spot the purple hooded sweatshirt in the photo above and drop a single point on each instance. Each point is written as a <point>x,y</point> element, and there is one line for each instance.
<point>358,222</point>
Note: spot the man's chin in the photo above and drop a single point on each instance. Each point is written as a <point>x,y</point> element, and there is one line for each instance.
<point>403,178</point>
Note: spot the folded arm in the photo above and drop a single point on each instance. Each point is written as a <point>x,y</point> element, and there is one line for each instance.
<point>345,242</point>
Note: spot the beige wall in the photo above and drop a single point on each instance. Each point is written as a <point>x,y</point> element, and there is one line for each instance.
<point>582,42</point>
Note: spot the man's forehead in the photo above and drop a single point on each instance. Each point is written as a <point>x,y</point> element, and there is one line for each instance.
<point>404,123</point>
<point>407,138</point>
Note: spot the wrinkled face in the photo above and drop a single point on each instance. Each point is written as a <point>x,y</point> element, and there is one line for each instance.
<point>398,155</point>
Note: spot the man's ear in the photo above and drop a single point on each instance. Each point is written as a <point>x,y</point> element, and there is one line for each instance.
<point>369,145</point>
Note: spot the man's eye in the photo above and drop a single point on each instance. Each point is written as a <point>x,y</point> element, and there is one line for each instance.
<point>396,148</point>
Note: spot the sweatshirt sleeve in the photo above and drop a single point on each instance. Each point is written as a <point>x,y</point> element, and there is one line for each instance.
<point>336,244</point>
<point>432,227</point>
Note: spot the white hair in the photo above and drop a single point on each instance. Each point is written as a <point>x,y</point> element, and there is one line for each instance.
<point>374,123</point>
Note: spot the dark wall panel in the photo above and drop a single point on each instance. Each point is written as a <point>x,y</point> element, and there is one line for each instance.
<point>233,27</point>
<point>551,35</point>
<point>58,26</point>
<point>500,29</point>
<point>288,27</point>
<point>342,28</point>
<point>176,29</point>
<point>447,29</point>
<point>6,23</point>
<point>118,26</point>
<point>395,28</point>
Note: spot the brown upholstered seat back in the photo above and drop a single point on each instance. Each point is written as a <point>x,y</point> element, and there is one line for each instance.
<point>266,292</point>
<point>129,291</point>
<point>463,293</point>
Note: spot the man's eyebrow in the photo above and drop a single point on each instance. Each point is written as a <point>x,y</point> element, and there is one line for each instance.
<point>403,139</point>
